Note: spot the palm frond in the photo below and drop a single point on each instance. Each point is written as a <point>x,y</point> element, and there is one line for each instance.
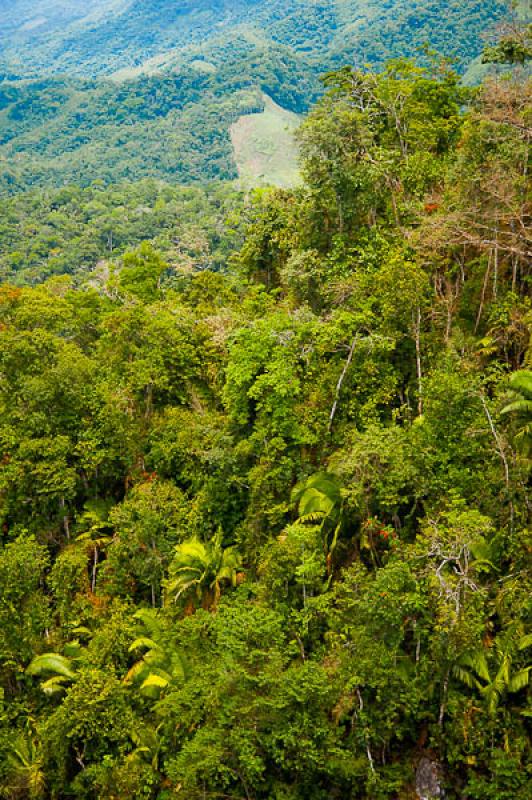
<point>477,663</point>
<point>519,680</point>
<point>466,677</point>
<point>150,620</point>
<point>51,662</point>
<point>520,406</point>
<point>54,686</point>
<point>314,517</point>
<point>154,681</point>
<point>521,383</point>
<point>136,672</point>
<point>524,642</point>
<point>143,642</point>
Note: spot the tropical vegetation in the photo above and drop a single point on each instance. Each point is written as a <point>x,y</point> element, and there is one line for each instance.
<point>265,466</point>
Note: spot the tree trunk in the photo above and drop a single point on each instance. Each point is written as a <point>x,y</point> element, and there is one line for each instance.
<point>66,522</point>
<point>496,262</point>
<point>483,293</point>
<point>443,704</point>
<point>368,749</point>
<point>340,382</point>
<point>416,320</point>
<point>94,567</point>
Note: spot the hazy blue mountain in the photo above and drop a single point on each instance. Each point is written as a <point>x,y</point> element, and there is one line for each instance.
<point>105,36</point>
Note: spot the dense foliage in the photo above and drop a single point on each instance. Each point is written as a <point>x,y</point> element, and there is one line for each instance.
<point>74,230</point>
<point>265,530</point>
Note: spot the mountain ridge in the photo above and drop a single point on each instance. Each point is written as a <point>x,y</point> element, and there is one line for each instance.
<point>120,34</point>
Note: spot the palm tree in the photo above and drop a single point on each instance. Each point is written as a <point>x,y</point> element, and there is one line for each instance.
<point>98,533</point>
<point>25,773</point>
<point>521,406</point>
<point>159,667</point>
<point>319,500</point>
<point>202,568</point>
<point>473,669</point>
<point>147,746</point>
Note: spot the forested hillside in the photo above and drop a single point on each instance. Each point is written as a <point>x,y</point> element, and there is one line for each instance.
<point>173,126</point>
<point>122,90</point>
<point>103,36</point>
<point>265,476</point>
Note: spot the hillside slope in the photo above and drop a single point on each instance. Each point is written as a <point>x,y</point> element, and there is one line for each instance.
<point>173,126</point>
<point>265,478</point>
<point>265,148</point>
<point>105,36</point>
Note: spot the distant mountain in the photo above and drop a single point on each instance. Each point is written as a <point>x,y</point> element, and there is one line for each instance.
<point>119,90</point>
<point>102,37</point>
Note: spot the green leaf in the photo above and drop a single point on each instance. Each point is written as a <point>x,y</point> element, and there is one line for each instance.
<point>51,662</point>
<point>143,642</point>
<point>154,681</point>
<point>519,680</point>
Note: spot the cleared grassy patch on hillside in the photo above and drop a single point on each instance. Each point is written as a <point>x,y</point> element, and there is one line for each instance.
<point>265,149</point>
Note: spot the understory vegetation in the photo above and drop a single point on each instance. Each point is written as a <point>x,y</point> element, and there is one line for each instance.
<point>266,466</point>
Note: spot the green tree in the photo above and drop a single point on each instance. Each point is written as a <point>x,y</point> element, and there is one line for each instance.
<point>319,501</point>
<point>141,273</point>
<point>148,524</point>
<point>492,673</point>
<point>202,569</point>
<point>24,608</point>
<point>61,668</point>
<point>25,774</point>
<point>160,666</point>
<point>521,407</point>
